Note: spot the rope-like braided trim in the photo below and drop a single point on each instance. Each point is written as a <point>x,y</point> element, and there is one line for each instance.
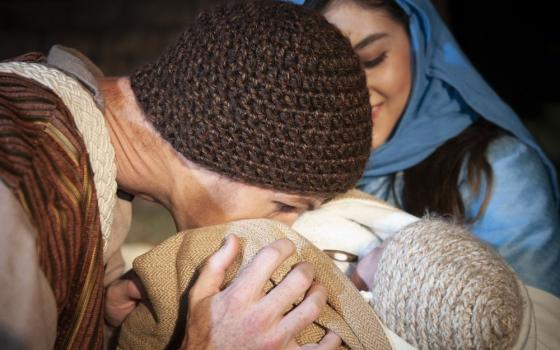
<point>91,124</point>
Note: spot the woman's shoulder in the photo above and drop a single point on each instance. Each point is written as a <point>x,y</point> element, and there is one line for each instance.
<point>503,146</point>
<point>518,176</point>
<point>510,153</point>
<point>521,216</point>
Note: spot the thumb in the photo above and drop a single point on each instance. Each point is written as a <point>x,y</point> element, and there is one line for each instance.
<point>212,275</point>
<point>135,288</point>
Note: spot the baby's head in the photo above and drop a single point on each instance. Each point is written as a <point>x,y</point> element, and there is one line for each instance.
<point>437,286</point>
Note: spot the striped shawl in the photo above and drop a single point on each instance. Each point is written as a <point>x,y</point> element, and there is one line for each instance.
<point>43,160</point>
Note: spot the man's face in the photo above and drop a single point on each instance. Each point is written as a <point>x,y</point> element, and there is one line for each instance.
<point>219,200</point>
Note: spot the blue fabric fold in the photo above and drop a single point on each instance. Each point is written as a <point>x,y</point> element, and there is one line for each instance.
<point>448,95</point>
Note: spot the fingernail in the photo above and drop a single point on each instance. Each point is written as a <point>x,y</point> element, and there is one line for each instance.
<point>227,242</point>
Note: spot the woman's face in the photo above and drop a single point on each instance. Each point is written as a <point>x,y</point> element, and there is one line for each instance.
<point>383,47</point>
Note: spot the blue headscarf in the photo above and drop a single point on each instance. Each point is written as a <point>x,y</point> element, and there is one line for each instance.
<point>447,96</point>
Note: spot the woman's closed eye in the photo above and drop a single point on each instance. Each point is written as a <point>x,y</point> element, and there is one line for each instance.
<point>375,62</point>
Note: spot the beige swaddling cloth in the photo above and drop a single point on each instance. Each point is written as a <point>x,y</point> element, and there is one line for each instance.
<point>167,271</point>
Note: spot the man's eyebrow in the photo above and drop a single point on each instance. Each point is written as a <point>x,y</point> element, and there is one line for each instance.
<point>368,40</point>
<point>304,201</point>
<point>310,204</point>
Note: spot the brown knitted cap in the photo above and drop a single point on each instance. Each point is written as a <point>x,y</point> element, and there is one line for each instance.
<point>266,93</point>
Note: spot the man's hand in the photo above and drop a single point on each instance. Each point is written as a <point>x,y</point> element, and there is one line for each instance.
<point>242,316</point>
<point>121,297</point>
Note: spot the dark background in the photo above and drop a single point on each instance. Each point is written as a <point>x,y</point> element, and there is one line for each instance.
<point>515,45</point>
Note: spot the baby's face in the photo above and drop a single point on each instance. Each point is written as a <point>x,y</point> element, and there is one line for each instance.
<point>364,275</point>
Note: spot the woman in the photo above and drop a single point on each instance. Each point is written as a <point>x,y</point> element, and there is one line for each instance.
<point>444,142</point>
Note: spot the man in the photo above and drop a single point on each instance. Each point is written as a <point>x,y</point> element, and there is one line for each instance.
<point>259,109</point>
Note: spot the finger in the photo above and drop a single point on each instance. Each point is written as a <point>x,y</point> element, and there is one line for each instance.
<point>213,273</point>
<point>118,302</point>
<point>358,281</point>
<point>292,345</point>
<point>329,341</point>
<point>306,312</point>
<point>135,288</point>
<point>281,299</point>
<point>117,293</point>
<point>253,277</point>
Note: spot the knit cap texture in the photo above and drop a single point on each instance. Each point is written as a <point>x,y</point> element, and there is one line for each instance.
<point>266,93</point>
<point>438,287</point>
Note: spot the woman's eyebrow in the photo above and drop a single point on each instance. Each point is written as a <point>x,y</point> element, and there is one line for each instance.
<point>368,40</point>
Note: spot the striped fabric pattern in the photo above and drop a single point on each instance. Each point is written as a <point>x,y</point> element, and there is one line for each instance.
<point>90,123</point>
<point>43,160</point>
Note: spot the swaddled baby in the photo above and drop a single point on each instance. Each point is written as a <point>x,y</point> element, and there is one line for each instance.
<point>435,286</point>
<point>431,282</point>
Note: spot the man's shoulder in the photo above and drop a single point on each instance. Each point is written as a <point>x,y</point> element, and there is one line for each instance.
<point>70,62</point>
<point>30,57</point>
<point>77,65</point>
